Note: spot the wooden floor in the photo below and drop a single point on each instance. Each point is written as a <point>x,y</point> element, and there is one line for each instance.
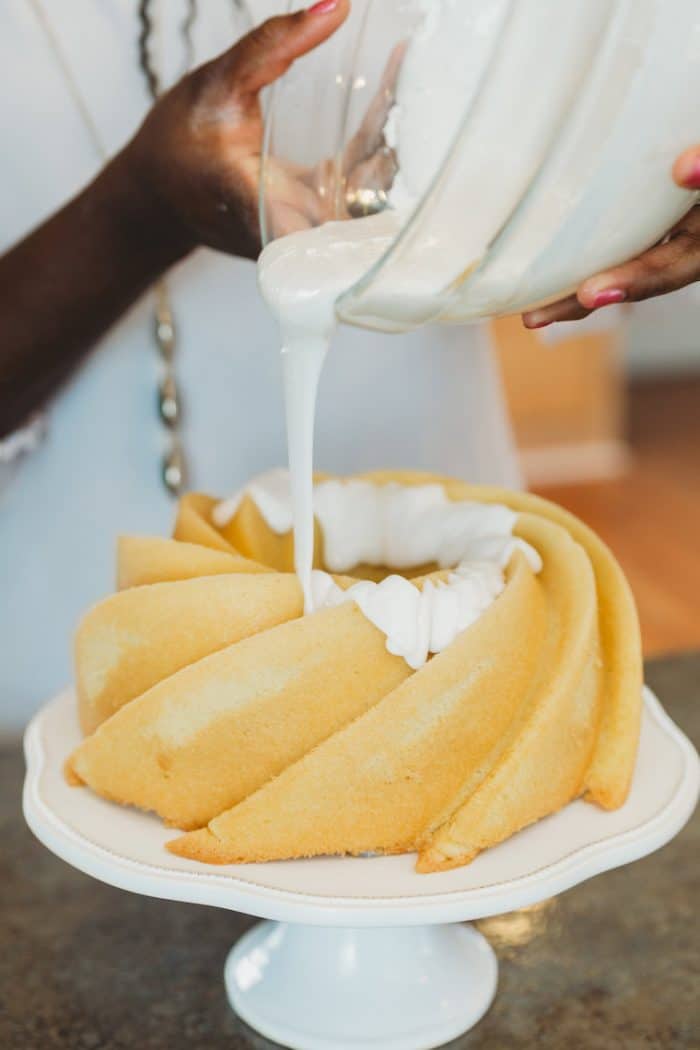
<point>651,516</point>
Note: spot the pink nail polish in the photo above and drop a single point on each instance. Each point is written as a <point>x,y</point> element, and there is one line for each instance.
<point>692,179</point>
<point>608,297</point>
<point>323,7</point>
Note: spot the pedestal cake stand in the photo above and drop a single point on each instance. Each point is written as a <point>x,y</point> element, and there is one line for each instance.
<point>360,952</point>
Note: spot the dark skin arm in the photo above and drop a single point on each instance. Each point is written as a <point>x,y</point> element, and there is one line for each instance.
<point>67,282</point>
<point>188,178</point>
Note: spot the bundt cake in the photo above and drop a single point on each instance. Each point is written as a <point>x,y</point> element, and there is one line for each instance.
<point>477,667</point>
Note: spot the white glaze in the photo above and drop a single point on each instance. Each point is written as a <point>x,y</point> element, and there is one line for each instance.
<point>418,622</point>
<point>301,277</point>
<point>271,494</point>
<point>439,78</point>
<point>406,526</point>
<point>403,527</point>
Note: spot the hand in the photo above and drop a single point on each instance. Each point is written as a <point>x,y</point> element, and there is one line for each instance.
<point>197,155</point>
<point>671,265</point>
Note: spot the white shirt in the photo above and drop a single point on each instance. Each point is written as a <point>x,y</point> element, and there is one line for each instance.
<point>429,400</point>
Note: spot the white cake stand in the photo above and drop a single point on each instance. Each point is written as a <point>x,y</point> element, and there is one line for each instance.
<point>360,952</point>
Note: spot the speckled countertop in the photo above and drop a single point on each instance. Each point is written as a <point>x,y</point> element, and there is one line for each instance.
<point>612,965</point>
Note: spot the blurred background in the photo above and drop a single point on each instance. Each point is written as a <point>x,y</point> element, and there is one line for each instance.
<point>613,434</point>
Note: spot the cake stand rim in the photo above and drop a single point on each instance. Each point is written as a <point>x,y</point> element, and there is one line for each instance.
<point>228,892</point>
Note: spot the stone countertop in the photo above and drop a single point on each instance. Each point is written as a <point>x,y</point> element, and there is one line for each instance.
<point>611,965</point>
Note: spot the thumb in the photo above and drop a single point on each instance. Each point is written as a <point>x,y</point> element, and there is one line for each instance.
<point>268,51</point>
<point>686,170</point>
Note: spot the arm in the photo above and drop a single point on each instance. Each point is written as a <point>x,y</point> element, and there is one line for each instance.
<point>671,265</point>
<point>188,178</point>
<point>67,282</point>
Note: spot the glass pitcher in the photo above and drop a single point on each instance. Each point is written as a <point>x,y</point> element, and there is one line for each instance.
<point>524,144</point>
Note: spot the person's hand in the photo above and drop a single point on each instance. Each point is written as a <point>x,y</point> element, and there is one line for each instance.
<point>197,155</point>
<point>671,265</point>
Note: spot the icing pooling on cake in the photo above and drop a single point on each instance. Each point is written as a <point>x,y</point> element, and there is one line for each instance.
<point>403,527</point>
<point>271,493</point>
<point>418,623</point>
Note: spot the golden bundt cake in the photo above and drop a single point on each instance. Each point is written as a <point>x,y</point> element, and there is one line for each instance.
<point>438,711</point>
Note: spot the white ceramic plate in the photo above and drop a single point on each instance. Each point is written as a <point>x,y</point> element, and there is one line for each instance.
<point>125,848</point>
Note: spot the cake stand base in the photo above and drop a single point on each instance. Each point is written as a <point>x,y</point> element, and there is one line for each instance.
<point>323,988</point>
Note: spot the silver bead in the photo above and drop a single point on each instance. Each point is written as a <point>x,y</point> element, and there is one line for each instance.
<point>164,323</point>
<point>174,473</point>
<point>173,468</point>
<point>169,402</point>
<point>165,338</point>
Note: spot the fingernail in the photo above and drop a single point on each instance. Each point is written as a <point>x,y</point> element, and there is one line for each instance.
<point>323,7</point>
<point>533,321</point>
<point>608,297</point>
<point>692,179</point>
